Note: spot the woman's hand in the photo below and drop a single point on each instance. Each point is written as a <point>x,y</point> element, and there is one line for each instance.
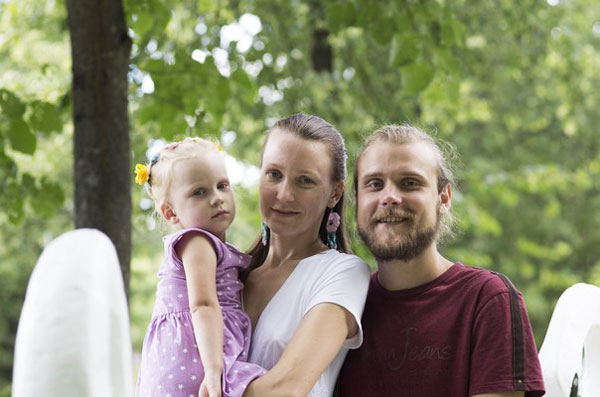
<point>210,386</point>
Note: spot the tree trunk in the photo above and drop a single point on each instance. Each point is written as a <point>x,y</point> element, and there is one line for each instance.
<point>322,54</point>
<point>100,48</point>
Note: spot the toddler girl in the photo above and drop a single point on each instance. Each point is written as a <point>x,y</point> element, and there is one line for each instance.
<point>198,339</point>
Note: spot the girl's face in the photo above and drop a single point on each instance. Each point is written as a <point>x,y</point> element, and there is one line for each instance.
<point>296,185</point>
<point>200,195</point>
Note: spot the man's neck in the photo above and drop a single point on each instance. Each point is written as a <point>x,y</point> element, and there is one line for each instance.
<point>398,275</point>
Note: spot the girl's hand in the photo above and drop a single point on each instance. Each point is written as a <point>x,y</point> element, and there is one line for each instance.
<point>210,386</point>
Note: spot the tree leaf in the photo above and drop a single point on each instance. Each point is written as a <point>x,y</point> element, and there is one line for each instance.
<point>242,81</point>
<point>11,104</point>
<point>45,117</point>
<point>404,49</point>
<point>416,76</point>
<point>383,31</point>
<point>49,197</point>
<point>12,201</point>
<point>20,136</point>
<point>340,15</point>
<point>143,24</point>
<point>366,12</point>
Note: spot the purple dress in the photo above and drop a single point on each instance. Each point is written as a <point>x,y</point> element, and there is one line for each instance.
<point>170,364</point>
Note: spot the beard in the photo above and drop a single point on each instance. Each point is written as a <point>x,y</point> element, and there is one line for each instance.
<point>402,246</point>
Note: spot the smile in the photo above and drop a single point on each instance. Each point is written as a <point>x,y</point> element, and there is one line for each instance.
<point>391,220</point>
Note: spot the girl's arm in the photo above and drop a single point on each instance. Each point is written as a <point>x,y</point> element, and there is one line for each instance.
<point>314,345</point>
<point>200,264</point>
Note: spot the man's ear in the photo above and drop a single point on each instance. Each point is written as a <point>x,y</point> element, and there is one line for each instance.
<point>337,194</point>
<point>446,199</point>
<point>168,213</point>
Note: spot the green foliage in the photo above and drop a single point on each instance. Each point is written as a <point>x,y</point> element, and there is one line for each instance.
<point>512,85</point>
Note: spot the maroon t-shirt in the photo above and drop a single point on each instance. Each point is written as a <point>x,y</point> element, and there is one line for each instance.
<point>465,333</point>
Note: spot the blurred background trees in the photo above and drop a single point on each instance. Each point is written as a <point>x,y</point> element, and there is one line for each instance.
<point>512,85</point>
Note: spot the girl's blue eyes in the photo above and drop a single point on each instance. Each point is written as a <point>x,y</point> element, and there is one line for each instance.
<point>202,191</point>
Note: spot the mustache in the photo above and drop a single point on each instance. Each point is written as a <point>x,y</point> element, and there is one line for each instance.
<point>392,213</point>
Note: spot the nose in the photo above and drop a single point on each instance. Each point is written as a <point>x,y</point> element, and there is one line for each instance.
<point>390,196</point>
<point>216,199</point>
<point>284,192</point>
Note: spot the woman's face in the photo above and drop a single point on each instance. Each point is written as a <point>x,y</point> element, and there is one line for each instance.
<point>296,185</point>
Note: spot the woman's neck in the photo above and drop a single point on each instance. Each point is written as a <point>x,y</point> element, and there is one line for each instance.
<point>284,249</point>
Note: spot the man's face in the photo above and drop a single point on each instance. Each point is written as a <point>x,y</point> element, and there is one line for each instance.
<point>398,204</point>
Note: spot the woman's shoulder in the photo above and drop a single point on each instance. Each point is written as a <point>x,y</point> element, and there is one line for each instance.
<point>332,261</point>
<point>341,257</point>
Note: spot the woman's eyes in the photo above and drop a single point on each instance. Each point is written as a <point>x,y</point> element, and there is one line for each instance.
<point>277,175</point>
<point>273,174</point>
<point>305,180</point>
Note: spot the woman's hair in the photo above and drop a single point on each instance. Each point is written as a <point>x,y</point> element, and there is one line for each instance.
<point>311,128</point>
<point>160,168</point>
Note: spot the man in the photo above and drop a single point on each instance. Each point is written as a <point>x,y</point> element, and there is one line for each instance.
<point>431,327</point>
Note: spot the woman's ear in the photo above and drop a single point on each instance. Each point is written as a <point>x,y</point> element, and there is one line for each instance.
<point>337,194</point>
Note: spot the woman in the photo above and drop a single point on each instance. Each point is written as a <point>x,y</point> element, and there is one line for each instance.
<point>304,293</point>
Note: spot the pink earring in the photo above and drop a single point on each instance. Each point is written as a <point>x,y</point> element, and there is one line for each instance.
<point>333,223</point>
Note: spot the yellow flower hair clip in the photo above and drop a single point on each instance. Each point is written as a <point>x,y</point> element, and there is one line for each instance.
<point>219,148</point>
<point>141,174</point>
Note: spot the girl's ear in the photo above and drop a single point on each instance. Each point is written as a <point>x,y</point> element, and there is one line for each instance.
<point>168,213</point>
<point>337,194</point>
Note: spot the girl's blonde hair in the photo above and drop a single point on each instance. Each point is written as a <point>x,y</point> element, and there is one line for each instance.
<point>160,168</point>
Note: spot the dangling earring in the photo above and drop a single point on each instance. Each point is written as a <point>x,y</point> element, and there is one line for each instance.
<point>333,223</point>
<point>264,234</point>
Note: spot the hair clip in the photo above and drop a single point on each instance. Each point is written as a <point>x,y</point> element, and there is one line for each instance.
<point>154,159</point>
<point>172,146</point>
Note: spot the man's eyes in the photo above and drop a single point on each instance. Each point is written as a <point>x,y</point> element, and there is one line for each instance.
<point>410,183</point>
<point>374,184</point>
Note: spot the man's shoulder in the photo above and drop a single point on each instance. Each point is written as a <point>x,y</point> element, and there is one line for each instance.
<point>486,281</point>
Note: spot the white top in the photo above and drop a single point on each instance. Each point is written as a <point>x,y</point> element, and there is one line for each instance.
<point>327,277</point>
<point>73,338</point>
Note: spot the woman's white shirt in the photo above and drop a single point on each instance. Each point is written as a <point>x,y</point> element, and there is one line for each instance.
<point>327,277</point>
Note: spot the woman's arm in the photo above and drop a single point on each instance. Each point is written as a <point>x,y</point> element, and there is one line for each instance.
<point>314,345</point>
<point>200,264</point>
